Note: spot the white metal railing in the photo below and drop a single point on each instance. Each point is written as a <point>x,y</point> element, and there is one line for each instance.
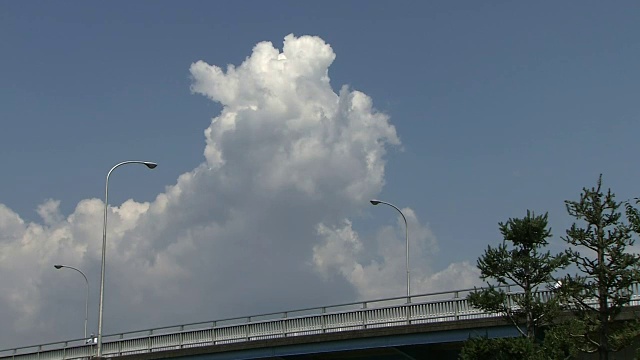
<point>417,309</point>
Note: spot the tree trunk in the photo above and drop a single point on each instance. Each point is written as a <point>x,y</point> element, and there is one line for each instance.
<point>603,310</point>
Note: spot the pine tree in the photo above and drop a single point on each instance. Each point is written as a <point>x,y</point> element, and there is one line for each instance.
<point>598,248</point>
<point>525,264</point>
<point>521,261</point>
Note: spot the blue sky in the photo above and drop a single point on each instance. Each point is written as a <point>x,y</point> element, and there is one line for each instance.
<point>499,107</point>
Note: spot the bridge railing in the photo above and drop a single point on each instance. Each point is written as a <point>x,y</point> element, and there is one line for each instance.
<point>399,311</point>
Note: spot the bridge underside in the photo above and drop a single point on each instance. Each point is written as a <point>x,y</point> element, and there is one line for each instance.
<point>424,351</point>
<point>413,342</point>
<point>433,351</point>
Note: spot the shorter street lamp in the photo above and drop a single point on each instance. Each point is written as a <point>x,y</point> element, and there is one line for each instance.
<point>406,227</point>
<point>86,302</point>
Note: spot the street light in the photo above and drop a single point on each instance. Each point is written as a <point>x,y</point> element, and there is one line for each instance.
<point>376,202</point>
<point>150,165</point>
<point>86,302</point>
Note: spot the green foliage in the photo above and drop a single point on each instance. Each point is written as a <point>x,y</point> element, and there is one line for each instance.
<point>520,260</point>
<point>556,345</point>
<point>598,248</point>
<point>482,348</point>
<point>633,215</point>
<point>559,343</point>
<point>607,271</point>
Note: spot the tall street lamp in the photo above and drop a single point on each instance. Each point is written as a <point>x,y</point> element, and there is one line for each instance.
<point>86,302</point>
<point>406,227</point>
<point>150,165</point>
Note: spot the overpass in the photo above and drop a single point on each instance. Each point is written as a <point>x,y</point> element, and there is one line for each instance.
<point>397,326</point>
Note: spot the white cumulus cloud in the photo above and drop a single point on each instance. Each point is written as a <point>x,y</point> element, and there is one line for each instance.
<point>263,224</point>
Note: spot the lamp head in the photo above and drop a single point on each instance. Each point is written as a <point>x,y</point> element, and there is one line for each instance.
<point>57,266</point>
<point>375,202</point>
<point>150,165</point>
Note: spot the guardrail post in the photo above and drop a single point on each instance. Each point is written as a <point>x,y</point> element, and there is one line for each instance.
<point>407,308</point>
<point>181,337</point>
<point>364,315</point>
<point>149,344</point>
<point>323,319</point>
<point>284,324</point>
<point>246,327</point>
<point>456,301</point>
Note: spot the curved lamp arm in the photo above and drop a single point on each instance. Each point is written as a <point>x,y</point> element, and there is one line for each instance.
<point>406,227</point>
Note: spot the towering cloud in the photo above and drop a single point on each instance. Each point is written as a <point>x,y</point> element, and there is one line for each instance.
<point>263,224</point>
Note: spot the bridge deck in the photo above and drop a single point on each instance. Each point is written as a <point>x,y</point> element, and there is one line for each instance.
<point>385,313</point>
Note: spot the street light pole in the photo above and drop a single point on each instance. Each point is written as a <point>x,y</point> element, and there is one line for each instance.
<point>150,165</point>
<point>86,302</point>
<point>406,227</point>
